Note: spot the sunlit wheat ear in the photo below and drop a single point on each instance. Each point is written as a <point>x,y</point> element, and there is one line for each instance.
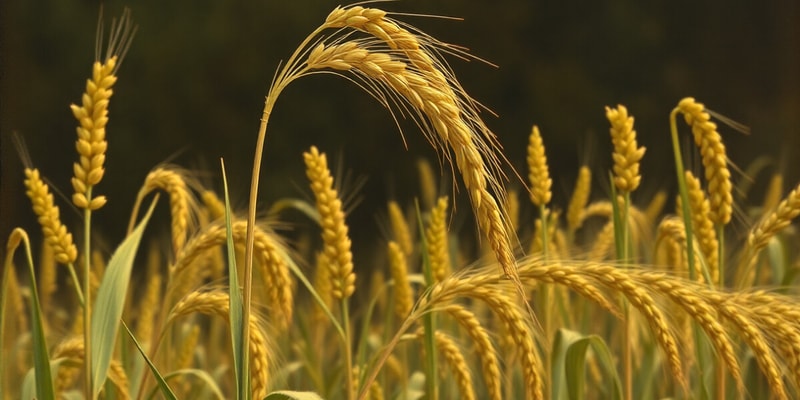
<point>334,229</point>
<point>703,227</point>
<point>411,72</point>
<point>483,344</point>
<point>700,310</point>
<point>403,295</point>
<point>507,311</point>
<point>454,359</point>
<point>579,199</point>
<point>182,203</point>
<point>769,226</point>
<point>538,172</point>
<point>55,233</point>
<point>217,303</point>
<point>72,349</point>
<point>714,159</point>
<point>269,252</point>
<point>92,114</point>
<point>626,154</point>
<point>436,236</point>
<point>400,228</point>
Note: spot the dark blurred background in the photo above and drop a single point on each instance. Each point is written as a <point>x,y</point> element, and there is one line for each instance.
<point>191,90</point>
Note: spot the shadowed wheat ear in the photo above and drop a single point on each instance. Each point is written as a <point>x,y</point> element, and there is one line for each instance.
<point>579,199</point>
<point>72,349</point>
<point>403,294</point>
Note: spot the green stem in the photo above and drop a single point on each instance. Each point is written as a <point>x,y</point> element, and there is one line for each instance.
<point>76,282</point>
<point>348,351</point>
<point>87,304</point>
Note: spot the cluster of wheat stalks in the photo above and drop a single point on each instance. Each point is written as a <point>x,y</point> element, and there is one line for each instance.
<point>613,300</point>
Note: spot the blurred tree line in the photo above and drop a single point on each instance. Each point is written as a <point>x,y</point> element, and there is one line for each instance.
<point>191,90</point>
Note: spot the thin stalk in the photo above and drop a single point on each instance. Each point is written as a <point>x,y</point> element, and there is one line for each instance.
<point>544,294</point>
<point>687,223</point>
<point>76,282</point>
<point>721,272</point>
<point>87,304</point>
<point>348,352</point>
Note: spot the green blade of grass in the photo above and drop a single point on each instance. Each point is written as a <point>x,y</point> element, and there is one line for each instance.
<point>41,359</point>
<point>570,350</point>
<point>166,391</point>
<point>236,304</point>
<point>111,300</point>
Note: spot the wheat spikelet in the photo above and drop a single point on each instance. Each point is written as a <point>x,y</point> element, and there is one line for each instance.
<point>619,281</point>
<point>73,349</point>
<point>455,360</point>
<point>538,173</point>
<point>714,159</point>
<point>403,297</point>
<point>626,153</point>
<point>147,309</point>
<point>785,336</point>
<point>269,252</point>
<point>773,193</point>
<point>427,184</point>
<point>703,227</point>
<point>214,205</point>
<point>322,284</point>
<point>509,314</point>
<point>185,356</point>
<point>485,350</point>
<point>511,208</point>
<point>773,223</point>
<point>181,201</point>
<point>400,229</point>
<point>334,229</point>
<point>436,236</point>
<point>217,303</point>
<point>579,199</point>
<point>655,207</point>
<point>673,229</point>
<point>55,233</point>
<point>603,243</point>
<point>701,311</point>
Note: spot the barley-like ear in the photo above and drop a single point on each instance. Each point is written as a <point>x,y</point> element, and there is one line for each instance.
<point>773,193</point>
<point>626,154</point>
<point>216,303</point>
<point>400,228</point>
<point>147,310</point>
<point>403,297</point>
<point>703,227</point>
<point>436,235</point>
<point>55,233</point>
<point>215,206</point>
<point>538,172</point>
<point>181,201</point>
<point>579,199</point>
<point>427,183</point>
<point>483,344</point>
<point>334,230</point>
<point>714,158</point>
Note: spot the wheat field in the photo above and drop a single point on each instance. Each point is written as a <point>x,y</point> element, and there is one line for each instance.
<point>608,295</point>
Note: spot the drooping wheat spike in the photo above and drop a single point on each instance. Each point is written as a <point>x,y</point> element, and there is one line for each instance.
<point>55,233</point>
<point>697,306</point>
<point>456,361</point>
<point>334,229</point>
<point>270,253</point>
<point>538,173</point>
<point>181,201</point>
<point>784,336</point>
<point>483,344</point>
<point>217,303</point>
<point>507,311</point>
<point>626,153</point>
<point>703,227</point>
<point>428,185</point>
<point>403,297</point>
<point>714,159</point>
<point>422,80</point>
<point>579,199</point>
<point>73,350</point>
<point>436,235</point>
<point>400,228</point>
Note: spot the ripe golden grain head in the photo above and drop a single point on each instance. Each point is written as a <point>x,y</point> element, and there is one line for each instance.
<point>626,154</point>
<point>538,172</point>
<point>55,232</point>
